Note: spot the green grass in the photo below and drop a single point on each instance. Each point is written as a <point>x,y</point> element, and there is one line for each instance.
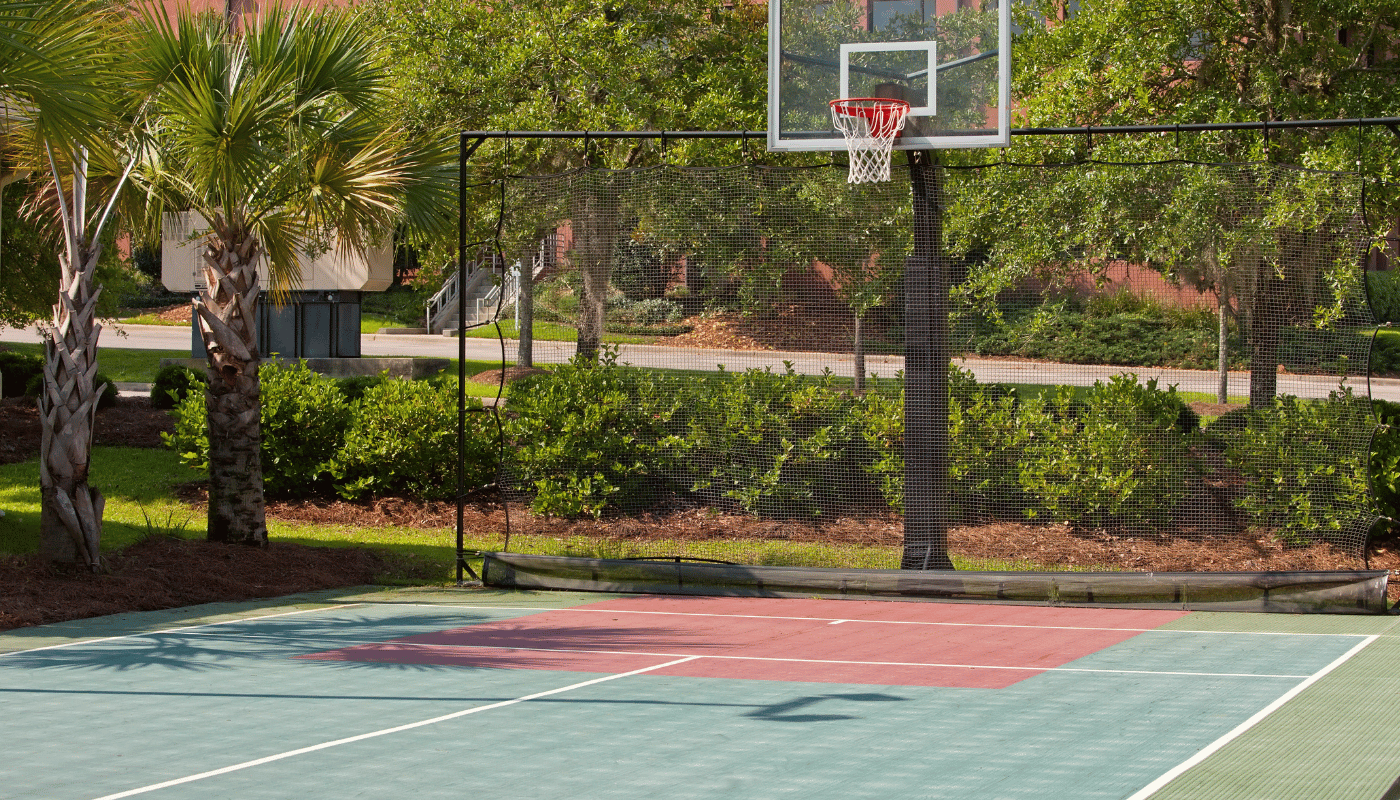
<point>553,332</point>
<point>371,323</point>
<point>137,482</point>
<point>152,319</point>
<point>122,364</point>
<point>139,486</point>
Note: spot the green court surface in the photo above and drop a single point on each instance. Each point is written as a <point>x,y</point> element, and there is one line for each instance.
<point>450,693</point>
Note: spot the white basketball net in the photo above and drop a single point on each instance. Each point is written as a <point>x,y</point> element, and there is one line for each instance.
<point>870,125</point>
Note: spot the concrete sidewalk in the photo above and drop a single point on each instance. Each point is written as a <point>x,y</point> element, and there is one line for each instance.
<point>158,337</point>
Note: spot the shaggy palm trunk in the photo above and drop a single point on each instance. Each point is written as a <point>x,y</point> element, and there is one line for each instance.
<point>228,312</point>
<point>71,511</point>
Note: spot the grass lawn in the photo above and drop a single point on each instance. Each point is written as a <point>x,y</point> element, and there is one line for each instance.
<point>151,319</point>
<point>139,486</point>
<point>122,364</point>
<point>552,332</point>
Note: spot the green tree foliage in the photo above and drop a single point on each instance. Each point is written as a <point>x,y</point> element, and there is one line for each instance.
<point>575,65</point>
<point>278,137</point>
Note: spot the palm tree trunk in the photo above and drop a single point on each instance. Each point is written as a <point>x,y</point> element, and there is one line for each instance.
<point>228,312</point>
<point>70,522</point>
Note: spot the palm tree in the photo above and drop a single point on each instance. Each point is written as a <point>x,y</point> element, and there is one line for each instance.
<point>272,135</point>
<point>59,78</point>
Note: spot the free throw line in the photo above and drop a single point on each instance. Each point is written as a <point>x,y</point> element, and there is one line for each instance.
<point>383,732</point>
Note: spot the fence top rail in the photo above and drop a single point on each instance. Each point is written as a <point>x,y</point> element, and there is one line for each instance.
<point>1393,123</point>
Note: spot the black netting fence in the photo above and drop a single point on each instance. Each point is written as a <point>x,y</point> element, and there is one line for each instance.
<point>1157,367</point>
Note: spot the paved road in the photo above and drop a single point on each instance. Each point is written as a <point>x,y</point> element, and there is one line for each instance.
<point>157,337</point>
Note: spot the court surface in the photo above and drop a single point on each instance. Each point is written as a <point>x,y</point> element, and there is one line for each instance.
<point>425,694</point>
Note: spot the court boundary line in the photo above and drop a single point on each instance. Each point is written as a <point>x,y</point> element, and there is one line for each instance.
<point>180,628</point>
<point>382,732</point>
<point>430,646</point>
<point>1239,730</point>
<point>872,621</point>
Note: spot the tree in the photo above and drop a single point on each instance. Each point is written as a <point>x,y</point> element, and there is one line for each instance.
<point>60,78</point>
<point>1214,62</point>
<point>274,136</point>
<point>578,65</point>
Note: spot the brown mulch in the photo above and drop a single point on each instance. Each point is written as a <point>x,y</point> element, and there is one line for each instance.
<point>131,422</point>
<point>161,572</point>
<point>177,313</point>
<point>164,572</point>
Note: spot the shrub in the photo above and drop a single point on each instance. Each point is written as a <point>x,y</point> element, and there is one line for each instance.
<point>17,369</point>
<point>584,436</point>
<point>985,437</point>
<point>173,382</point>
<point>403,441</point>
<point>1385,461</point>
<point>190,439</point>
<point>1384,291</point>
<point>1304,476</point>
<point>769,443</point>
<point>107,399</point>
<point>303,419</point>
<point>1119,460</point>
<point>304,416</point>
<point>355,386</point>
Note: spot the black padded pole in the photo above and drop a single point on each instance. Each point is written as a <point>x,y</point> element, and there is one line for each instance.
<point>926,359</point>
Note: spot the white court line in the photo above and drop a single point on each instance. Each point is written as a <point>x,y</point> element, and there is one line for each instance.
<point>871,621</point>
<point>431,646</point>
<point>383,732</point>
<point>182,628</point>
<point>1171,774</point>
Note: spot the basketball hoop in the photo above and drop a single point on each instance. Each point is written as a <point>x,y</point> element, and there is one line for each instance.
<point>870,125</point>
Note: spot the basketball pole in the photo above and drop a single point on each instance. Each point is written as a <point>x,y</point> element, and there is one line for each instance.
<point>926,359</point>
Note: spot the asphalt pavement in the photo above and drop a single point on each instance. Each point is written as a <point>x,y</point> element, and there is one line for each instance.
<point>158,337</point>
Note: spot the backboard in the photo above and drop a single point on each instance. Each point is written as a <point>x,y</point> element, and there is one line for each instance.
<point>949,59</point>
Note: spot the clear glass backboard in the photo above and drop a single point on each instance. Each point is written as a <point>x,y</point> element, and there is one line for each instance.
<point>949,59</point>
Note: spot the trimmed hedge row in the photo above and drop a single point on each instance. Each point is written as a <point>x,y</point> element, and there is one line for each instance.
<point>1119,455</point>
<point>398,437</point>
<point>586,439</point>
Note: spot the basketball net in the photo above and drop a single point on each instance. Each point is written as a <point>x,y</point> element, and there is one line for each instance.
<point>870,125</point>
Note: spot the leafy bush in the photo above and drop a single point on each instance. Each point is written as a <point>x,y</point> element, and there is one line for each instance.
<point>303,419</point>
<point>1384,291</point>
<point>403,441</point>
<point>107,399</point>
<point>16,370</point>
<point>304,416</point>
<point>1385,461</point>
<point>639,269</point>
<point>985,437</point>
<point>769,443</point>
<point>1120,459</point>
<point>173,382</point>
<point>1113,330</point>
<point>584,436</point>
<point>355,386</point>
<point>1304,477</point>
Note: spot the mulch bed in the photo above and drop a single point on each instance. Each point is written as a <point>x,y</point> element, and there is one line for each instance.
<point>162,572</point>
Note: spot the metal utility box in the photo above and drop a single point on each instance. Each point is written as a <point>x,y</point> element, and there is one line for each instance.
<point>322,317</point>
